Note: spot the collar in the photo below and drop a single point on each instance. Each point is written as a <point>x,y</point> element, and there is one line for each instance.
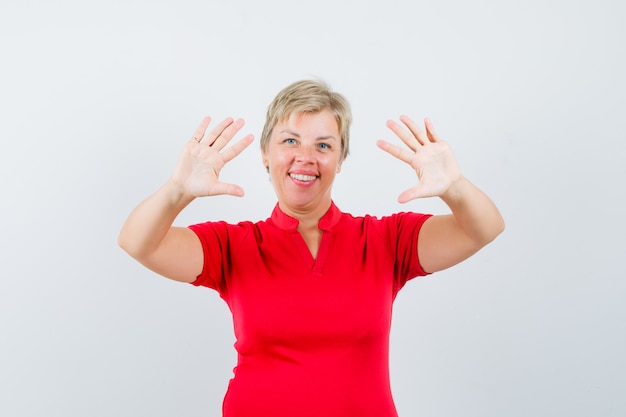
<point>286,222</point>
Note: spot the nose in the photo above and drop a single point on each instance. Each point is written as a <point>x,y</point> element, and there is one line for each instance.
<point>304,154</point>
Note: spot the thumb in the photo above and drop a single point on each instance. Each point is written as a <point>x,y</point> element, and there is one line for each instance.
<point>418,191</point>
<point>229,189</point>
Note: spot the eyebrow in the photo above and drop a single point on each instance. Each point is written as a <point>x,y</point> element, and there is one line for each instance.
<point>291,132</point>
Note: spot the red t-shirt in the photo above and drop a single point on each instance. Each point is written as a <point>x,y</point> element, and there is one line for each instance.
<point>312,335</point>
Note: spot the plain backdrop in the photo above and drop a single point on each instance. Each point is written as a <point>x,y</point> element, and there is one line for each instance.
<point>98,97</point>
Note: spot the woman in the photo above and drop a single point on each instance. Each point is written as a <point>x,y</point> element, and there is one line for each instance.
<point>310,288</point>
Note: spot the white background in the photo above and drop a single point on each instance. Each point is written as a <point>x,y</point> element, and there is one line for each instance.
<point>97,99</point>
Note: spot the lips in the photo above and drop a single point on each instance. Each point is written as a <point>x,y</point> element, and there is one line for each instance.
<point>303,177</point>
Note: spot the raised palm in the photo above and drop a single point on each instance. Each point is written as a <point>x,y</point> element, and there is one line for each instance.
<point>430,157</point>
<point>202,159</point>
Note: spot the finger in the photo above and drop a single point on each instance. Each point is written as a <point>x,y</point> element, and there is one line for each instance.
<point>430,130</point>
<point>237,148</point>
<point>228,134</point>
<point>406,137</point>
<point>217,131</point>
<point>199,133</point>
<point>222,188</point>
<point>406,196</point>
<point>411,194</point>
<point>417,131</point>
<point>395,150</point>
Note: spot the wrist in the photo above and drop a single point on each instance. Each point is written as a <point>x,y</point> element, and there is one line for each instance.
<point>456,191</point>
<point>176,193</point>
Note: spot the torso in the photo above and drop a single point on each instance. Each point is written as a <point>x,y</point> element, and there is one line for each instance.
<point>310,330</point>
<point>312,238</point>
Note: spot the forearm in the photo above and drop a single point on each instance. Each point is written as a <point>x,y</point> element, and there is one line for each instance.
<point>148,224</point>
<point>475,214</point>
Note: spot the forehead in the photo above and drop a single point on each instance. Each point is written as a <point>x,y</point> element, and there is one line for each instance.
<point>307,122</point>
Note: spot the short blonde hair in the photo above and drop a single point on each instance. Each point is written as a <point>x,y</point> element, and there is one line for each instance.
<point>308,96</point>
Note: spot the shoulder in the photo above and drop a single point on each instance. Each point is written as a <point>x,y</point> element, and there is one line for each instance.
<point>390,220</point>
<point>387,229</point>
<point>223,229</point>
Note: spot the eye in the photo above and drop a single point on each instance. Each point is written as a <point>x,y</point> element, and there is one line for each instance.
<point>290,141</point>
<point>324,146</point>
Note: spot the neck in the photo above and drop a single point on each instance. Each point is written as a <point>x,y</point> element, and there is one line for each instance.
<point>308,218</point>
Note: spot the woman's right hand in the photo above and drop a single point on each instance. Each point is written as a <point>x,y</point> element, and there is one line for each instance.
<point>199,164</point>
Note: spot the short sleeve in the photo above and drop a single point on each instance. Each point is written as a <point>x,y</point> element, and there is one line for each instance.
<point>220,242</point>
<point>404,230</point>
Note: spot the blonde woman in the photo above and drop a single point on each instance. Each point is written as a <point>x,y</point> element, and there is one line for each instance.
<point>311,288</point>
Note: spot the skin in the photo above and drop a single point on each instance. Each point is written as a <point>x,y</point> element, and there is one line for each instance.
<point>148,234</point>
<point>304,156</point>
<point>475,221</point>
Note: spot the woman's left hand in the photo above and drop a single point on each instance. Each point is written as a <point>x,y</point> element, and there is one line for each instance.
<point>430,157</point>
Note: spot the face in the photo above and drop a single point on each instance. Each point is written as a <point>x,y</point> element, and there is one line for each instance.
<point>303,156</point>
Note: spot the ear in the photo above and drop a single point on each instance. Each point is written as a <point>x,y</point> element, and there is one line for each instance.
<point>266,162</point>
<point>339,167</point>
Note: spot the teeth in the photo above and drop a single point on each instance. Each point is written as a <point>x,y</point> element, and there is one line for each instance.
<point>301,177</point>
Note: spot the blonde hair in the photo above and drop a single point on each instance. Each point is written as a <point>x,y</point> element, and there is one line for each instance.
<point>308,96</point>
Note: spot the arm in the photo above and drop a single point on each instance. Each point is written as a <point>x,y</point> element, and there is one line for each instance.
<point>148,234</point>
<point>475,221</point>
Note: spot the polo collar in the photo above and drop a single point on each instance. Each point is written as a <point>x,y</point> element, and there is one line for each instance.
<point>286,222</point>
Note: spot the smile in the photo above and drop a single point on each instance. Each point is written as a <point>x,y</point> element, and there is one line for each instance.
<point>302,177</point>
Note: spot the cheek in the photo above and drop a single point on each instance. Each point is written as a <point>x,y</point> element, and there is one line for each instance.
<point>279,161</point>
<point>331,163</point>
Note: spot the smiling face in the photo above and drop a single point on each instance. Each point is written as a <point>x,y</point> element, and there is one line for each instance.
<point>303,156</point>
